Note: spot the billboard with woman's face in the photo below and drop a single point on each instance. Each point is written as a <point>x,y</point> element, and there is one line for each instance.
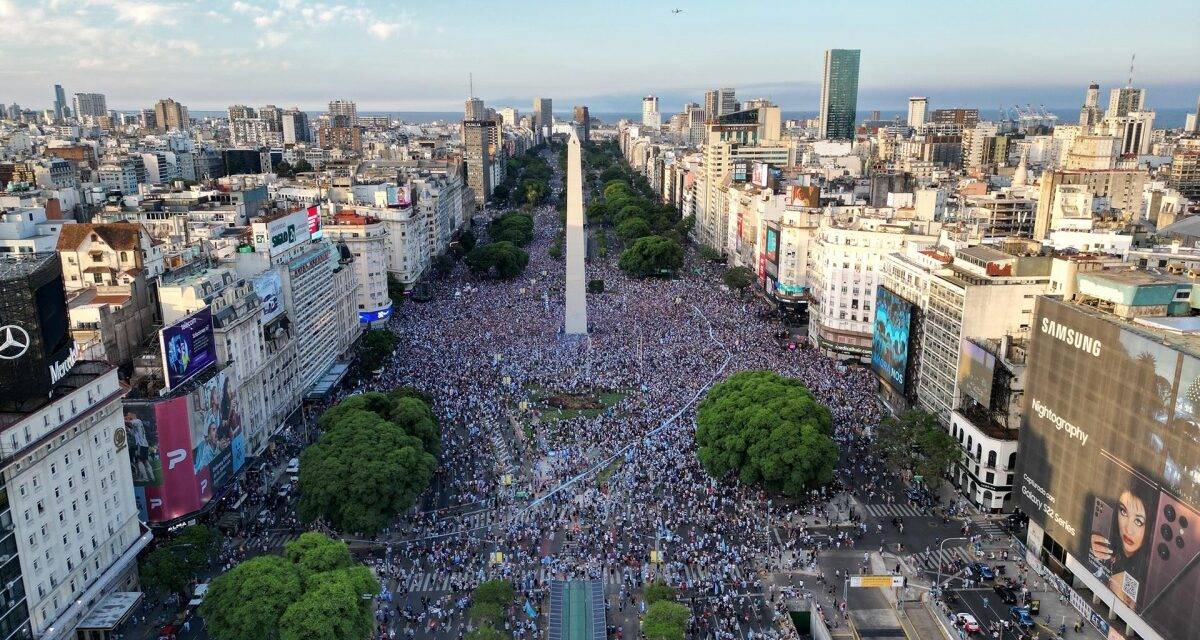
<point>1109,461</point>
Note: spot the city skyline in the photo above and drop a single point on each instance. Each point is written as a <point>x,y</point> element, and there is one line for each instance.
<point>253,51</point>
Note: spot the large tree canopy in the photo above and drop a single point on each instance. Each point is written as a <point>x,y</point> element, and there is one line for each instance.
<point>502,260</point>
<point>766,429</point>
<point>651,256</point>
<point>315,591</point>
<point>916,444</point>
<point>363,471</point>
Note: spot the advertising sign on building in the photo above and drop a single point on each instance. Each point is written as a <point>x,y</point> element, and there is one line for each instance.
<point>772,243</point>
<point>187,347</point>
<point>184,450</point>
<point>269,288</point>
<point>313,218</point>
<point>1108,462</point>
<point>976,369</point>
<point>762,174</point>
<point>282,233</point>
<point>889,341</point>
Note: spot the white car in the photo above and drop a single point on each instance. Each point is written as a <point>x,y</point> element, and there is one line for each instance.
<point>967,622</point>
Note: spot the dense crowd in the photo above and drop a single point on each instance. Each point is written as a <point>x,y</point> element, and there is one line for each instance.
<point>481,346</point>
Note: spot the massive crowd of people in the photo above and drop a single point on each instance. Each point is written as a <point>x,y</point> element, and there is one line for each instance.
<point>601,491</point>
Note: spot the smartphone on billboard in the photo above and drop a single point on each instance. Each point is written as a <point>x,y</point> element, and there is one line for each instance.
<point>1173,575</point>
<point>1102,524</point>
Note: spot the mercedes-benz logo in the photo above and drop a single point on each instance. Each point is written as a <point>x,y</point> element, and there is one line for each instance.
<point>14,342</point>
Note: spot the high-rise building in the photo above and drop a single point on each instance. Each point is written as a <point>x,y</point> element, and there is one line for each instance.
<point>584,120</point>
<point>62,479</point>
<point>1123,100</point>
<point>965,118</point>
<point>477,137</point>
<point>510,116</point>
<point>917,106</point>
<point>343,113</point>
<point>839,94</point>
<point>60,103</point>
<point>543,116</point>
<point>90,105</point>
<point>295,126</point>
<point>1192,122</point>
<point>241,112</point>
<point>1089,115</point>
<point>719,102</point>
<point>473,109</point>
<point>171,116</point>
<point>650,115</point>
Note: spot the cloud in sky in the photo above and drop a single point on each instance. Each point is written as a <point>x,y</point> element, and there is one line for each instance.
<point>403,54</point>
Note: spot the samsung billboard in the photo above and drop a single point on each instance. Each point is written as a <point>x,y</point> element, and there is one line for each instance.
<point>1109,463</point>
<point>890,338</point>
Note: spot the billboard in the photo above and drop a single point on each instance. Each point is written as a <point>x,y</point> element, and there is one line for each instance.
<point>889,340</point>
<point>1109,464</point>
<point>187,347</point>
<point>36,347</point>
<point>772,243</point>
<point>762,174</point>
<point>269,288</point>
<point>801,196</point>
<point>283,233</point>
<point>184,450</point>
<point>313,217</point>
<point>976,369</point>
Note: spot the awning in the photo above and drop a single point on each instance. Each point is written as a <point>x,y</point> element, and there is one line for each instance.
<point>111,612</point>
<point>328,380</point>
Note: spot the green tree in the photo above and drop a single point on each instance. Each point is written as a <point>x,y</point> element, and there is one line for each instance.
<point>709,253</point>
<point>395,290</point>
<point>490,601</point>
<point>301,166</point>
<point>467,241</point>
<point>284,168</point>
<point>377,345</point>
<point>502,260</point>
<point>314,553</point>
<point>500,193</point>
<point>665,620</point>
<point>633,228</point>
<point>336,605</point>
<point>766,429</point>
<point>516,228</point>
<point>595,285</point>
<point>917,443</point>
<point>174,564</point>
<point>651,256</point>
<point>658,590</point>
<point>685,225</point>
<point>405,407</point>
<point>738,278</point>
<point>246,602</point>
<point>362,473</point>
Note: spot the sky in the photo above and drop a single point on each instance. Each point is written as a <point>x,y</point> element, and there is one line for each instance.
<point>417,56</point>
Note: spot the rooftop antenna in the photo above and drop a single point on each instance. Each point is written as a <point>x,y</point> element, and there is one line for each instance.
<point>1131,57</point>
<point>471,84</point>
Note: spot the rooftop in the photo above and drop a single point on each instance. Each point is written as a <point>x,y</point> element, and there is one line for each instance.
<point>1183,336</point>
<point>23,265</point>
<point>83,373</point>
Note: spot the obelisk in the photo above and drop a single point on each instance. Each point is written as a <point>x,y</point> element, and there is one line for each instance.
<point>576,307</point>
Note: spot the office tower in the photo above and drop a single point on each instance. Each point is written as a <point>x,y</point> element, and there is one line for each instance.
<point>965,118</point>
<point>1192,122</point>
<point>90,105</point>
<point>241,112</point>
<point>272,117</point>
<point>917,106</point>
<point>839,94</point>
<point>477,136</point>
<point>718,102</point>
<point>295,126</point>
<point>473,109</point>
<point>543,116</point>
<point>343,113</point>
<point>511,116</point>
<point>1089,114</point>
<point>170,115</point>
<point>60,103</point>
<point>1123,100</point>
<point>650,115</point>
<point>584,119</point>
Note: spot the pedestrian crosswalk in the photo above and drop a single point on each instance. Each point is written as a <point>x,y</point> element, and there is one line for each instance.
<point>896,510</point>
<point>424,581</point>
<point>937,557</point>
<point>992,528</point>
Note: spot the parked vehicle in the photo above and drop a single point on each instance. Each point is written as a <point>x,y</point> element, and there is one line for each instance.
<point>967,622</point>
<point>1022,616</point>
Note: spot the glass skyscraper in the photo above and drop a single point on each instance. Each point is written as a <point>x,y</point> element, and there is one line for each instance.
<point>839,94</point>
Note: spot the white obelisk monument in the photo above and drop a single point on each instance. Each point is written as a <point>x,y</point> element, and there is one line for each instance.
<point>576,307</point>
